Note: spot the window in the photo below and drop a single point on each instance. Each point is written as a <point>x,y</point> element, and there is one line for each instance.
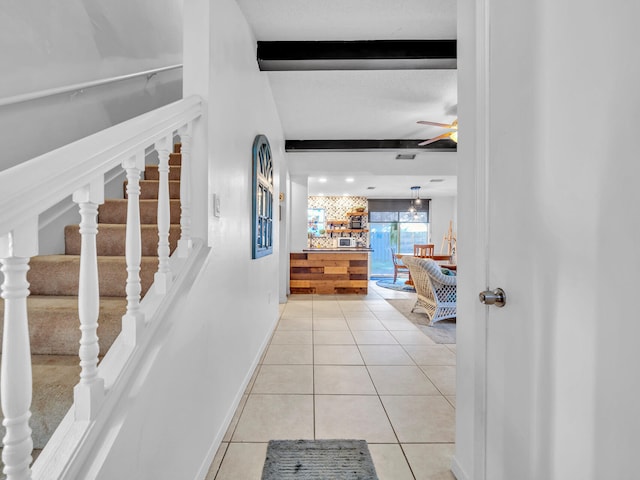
<point>262,228</point>
<point>394,228</point>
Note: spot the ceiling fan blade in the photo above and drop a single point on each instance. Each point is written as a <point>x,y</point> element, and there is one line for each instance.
<point>435,124</point>
<point>435,139</point>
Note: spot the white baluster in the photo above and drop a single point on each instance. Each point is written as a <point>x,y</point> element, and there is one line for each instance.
<point>162,277</point>
<point>15,375</point>
<point>133,320</point>
<point>185,242</point>
<point>88,394</point>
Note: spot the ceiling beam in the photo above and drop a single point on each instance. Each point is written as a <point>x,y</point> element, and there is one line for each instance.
<point>357,55</point>
<point>368,145</point>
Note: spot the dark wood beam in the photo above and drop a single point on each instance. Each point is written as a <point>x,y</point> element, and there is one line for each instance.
<point>367,145</point>
<point>361,54</point>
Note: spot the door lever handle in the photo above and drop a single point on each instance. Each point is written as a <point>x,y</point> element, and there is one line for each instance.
<point>496,297</point>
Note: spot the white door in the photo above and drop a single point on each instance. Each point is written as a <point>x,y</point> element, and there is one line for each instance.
<point>558,227</point>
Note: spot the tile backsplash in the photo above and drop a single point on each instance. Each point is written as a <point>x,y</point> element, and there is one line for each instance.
<point>336,208</point>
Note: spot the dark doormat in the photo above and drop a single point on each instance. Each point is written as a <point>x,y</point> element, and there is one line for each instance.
<point>318,460</point>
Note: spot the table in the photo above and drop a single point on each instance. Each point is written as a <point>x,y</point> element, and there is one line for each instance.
<point>436,257</point>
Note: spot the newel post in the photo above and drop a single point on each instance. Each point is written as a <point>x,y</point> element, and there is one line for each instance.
<point>16,247</point>
<point>162,278</point>
<point>133,320</point>
<point>185,243</point>
<point>88,394</point>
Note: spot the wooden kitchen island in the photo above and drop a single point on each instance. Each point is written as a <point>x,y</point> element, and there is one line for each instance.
<point>330,271</point>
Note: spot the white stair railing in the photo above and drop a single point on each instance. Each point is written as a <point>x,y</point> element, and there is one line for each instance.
<point>31,188</point>
<point>162,278</point>
<point>133,320</point>
<point>88,394</point>
<point>16,247</point>
<point>185,243</point>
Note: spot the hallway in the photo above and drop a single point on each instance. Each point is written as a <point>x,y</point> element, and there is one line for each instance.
<point>349,367</point>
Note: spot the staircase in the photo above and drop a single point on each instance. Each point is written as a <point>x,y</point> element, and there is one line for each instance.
<point>53,303</point>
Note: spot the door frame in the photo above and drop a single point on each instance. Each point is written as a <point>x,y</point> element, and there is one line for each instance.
<point>474,48</point>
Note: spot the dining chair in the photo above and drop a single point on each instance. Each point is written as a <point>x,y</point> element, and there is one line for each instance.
<point>425,250</point>
<point>397,267</point>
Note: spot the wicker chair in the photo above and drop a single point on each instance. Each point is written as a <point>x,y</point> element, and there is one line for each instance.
<point>436,291</point>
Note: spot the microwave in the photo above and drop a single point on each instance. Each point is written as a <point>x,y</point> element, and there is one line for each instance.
<point>345,242</point>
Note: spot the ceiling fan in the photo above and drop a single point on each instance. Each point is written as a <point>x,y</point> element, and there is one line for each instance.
<point>453,134</point>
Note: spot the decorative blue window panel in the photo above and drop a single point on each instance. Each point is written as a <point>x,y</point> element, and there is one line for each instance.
<point>262,231</point>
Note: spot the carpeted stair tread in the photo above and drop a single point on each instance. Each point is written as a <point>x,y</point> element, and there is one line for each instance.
<point>149,189</point>
<point>54,326</point>
<point>175,158</point>
<point>111,239</point>
<point>115,211</point>
<point>58,275</point>
<point>151,172</point>
<point>54,377</point>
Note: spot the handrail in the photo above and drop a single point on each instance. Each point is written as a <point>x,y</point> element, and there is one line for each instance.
<point>26,97</point>
<point>33,186</point>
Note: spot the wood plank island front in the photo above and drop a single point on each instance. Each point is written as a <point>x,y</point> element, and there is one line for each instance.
<point>329,271</point>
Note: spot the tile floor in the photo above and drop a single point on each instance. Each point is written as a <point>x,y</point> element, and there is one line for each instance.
<point>351,367</point>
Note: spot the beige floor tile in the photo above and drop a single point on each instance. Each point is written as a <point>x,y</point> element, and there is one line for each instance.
<point>452,400</point>
<point>401,380</point>
<point>352,416</point>
<point>362,324</point>
<point>235,419</point>
<point>284,379</point>
<point>327,337</point>
<point>275,417</point>
<point>353,306</point>
<point>243,461</point>
<point>391,316</point>
<point>374,337</point>
<point>296,323</point>
<point>288,354</point>
<point>412,338</point>
<point>443,377</point>
<point>421,419</point>
<point>330,324</point>
<point>360,315</point>
<point>431,355</point>
<point>380,306</point>
<point>337,355</point>
<point>399,325</point>
<point>390,462</point>
<point>217,460</point>
<point>342,380</point>
<point>385,355</point>
<point>291,337</point>
<point>452,347</point>
<point>327,309</point>
<point>430,461</point>
<point>252,380</point>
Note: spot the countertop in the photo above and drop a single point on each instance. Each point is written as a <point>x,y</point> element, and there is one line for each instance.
<point>336,250</point>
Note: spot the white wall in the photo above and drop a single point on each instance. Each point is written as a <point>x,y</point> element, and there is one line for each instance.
<point>442,210</point>
<point>56,44</point>
<point>194,384</point>
<point>577,351</point>
<point>299,202</point>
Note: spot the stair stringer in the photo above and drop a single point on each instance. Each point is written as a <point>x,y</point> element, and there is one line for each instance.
<point>77,449</point>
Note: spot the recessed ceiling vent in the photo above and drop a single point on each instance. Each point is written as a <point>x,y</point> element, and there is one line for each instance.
<point>371,188</point>
<point>405,156</point>
<point>436,180</point>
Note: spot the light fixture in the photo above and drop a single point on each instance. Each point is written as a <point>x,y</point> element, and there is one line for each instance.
<point>322,180</point>
<point>349,180</point>
<point>416,201</point>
